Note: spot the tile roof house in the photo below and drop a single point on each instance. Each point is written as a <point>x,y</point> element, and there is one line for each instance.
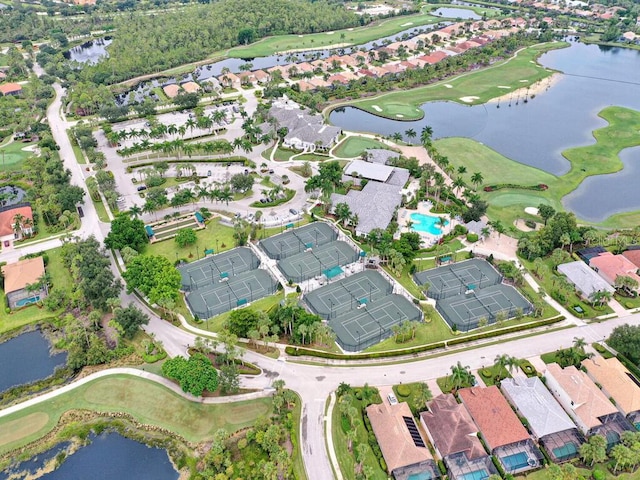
<point>229,80</point>
<point>391,428</point>
<point>580,397</point>
<point>380,155</point>
<point>261,76</point>
<point>10,89</point>
<point>585,279</point>
<point>434,57</point>
<point>17,277</point>
<point>610,266</point>
<point>616,381</point>
<point>191,87</point>
<point>501,429</point>
<point>450,428</point>
<point>633,256</point>
<point>171,91</point>
<point>9,230</point>
<point>493,415</point>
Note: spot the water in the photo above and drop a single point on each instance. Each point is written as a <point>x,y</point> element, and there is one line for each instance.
<point>515,462</point>
<point>426,223</point>
<point>476,475</point>
<point>109,456</point>
<point>10,195</point>
<point>90,52</point>
<point>462,13</point>
<point>420,476</point>
<point>562,117</point>
<point>26,359</point>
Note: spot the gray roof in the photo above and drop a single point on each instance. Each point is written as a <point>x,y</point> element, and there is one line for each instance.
<point>585,279</point>
<point>399,177</point>
<point>375,205</point>
<point>476,226</point>
<point>537,405</point>
<point>380,155</point>
<point>371,171</point>
<point>303,126</point>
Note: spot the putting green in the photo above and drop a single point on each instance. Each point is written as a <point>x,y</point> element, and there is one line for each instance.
<point>22,427</point>
<point>476,86</point>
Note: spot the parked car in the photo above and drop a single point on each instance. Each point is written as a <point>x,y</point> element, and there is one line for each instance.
<point>80,212</point>
<point>293,211</point>
<point>271,171</point>
<point>142,187</point>
<point>392,399</point>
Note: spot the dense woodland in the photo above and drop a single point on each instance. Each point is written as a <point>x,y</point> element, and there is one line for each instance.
<point>151,43</point>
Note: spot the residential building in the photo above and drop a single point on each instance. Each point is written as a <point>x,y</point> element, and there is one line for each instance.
<point>585,279</point>
<point>229,80</point>
<point>191,87</point>
<point>7,89</point>
<point>261,76</point>
<point>548,422</point>
<point>617,383</point>
<point>610,267</point>
<point>633,256</point>
<point>501,429</point>
<point>589,408</point>
<point>171,91</point>
<point>381,156</point>
<point>454,436</point>
<point>17,279</point>
<point>16,223</point>
<point>402,446</point>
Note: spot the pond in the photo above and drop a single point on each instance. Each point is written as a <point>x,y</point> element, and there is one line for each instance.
<point>109,456</point>
<point>89,52</point>
<point>538,131</point>
<point>26,359</point>
<point>462,13</point>
<point>10,195</point>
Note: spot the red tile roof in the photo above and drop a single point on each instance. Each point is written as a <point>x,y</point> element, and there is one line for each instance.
<point>633,256</point>
<point>9,88</point>
<point>498,423</point>
<point>7,216</point>
<point>609,266</point>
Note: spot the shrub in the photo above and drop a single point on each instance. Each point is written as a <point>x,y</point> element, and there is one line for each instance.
<point>530,223</point>
<point>485,373</point>
<point>598,475</point>
<point>472,237</point>
<point>599,348</point>
<point>383,464</point>
<point>403,390</point>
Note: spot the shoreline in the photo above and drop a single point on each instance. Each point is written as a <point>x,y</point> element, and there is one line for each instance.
<point>537,88</point>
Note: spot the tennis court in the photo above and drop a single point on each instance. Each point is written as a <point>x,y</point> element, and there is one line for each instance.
<point>211,269</point>
<point>457,278</point>
<point>465,311</point>
<point>297,240</point>
<point>316,261</point>
<point>221,296</point>
<point>361,309</point>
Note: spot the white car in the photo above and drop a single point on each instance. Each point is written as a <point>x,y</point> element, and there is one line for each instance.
<point>392,399</point>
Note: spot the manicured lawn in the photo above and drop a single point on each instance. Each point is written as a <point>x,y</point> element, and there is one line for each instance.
<point>77,151</point>
<point>413,399</point>
<point>213,236</point>
<point>342,38</point>
<point>146,401</point>
<point>446,384</point>
<point>101,211</point>
<point>494,372</point>
<point>265,304</point>
<point>12,155</point>
<point>434,331</point>
<point>60,278</point>
<point>543,474</point>
<point>354,146</point>
<point>598,158</point>
<point>482,84</point>
<point>628,302</point>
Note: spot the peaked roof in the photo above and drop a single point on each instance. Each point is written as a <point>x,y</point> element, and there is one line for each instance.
<point>493,415</point>
<point>588,402</point>
<point>8,88</point>
<point>20,274</point>
<point>393,435</point>
<point>7,218</point>
<point>615,379</point>
<point>584,278</point>
<point>452,428</point>
<point>609,266</point>
<point>537,405</point>
<point>633,256</point>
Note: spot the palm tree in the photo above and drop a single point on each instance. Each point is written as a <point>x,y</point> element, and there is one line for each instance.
<point>135,211</point>
<point>342,212</point>
<point>397,137</point>
<point>425,136</point>
<point>410,133</point>
<point>579,343</point>
<point>460,376</point>
<point>477,179</point>
<point>458,183</point>
<point>225,195</point>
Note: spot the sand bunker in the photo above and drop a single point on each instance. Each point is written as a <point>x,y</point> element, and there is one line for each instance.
<point>330,33</point>
<point>376,108</point>
<point>30,148</point>
<point>531,210</point>
<point>406,24</point>
<point>350,29</point>
<point>399,115</point>
<point>469,99</point>
<point>446,85</point>
<point>524,81</point>
<point>504,86</point>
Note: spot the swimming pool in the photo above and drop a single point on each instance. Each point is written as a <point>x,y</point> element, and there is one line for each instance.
<point>476,475</point>
<point>27,301</point>
<point>426,223</point>
<point>515,462</point>
<point>420,476</point>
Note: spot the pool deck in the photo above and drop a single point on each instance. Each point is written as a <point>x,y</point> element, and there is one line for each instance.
<point>428,239</point>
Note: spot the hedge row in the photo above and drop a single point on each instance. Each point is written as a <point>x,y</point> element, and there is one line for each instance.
<point>235,159</point>
<point>298,351</point>
<point>491,188</point>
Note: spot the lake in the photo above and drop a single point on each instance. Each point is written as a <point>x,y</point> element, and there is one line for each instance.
<point>89,52</point>
<point>462,13</point>
<point>109,456</point>
<point>538,131</point>
<point>26,359</point>
<point>11,195</point>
